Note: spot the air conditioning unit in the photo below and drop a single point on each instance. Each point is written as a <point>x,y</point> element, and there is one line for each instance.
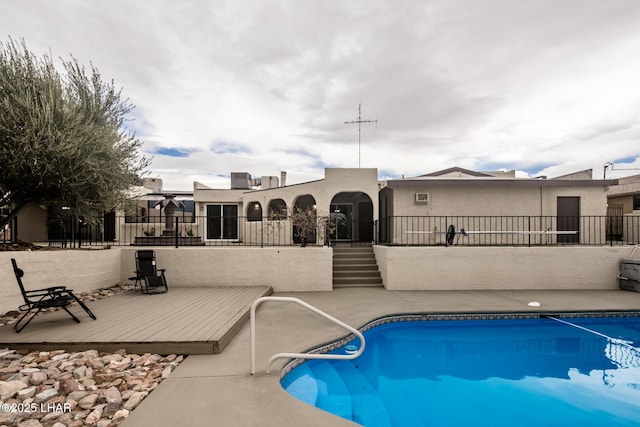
<point>422,197</point>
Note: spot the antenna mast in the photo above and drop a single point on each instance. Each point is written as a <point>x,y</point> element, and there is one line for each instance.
<point>359,122</point>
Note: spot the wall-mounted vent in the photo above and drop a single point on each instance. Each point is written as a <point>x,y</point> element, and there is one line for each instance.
<point>422,197</point>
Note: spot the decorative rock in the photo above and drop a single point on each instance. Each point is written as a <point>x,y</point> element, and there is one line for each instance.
<point>77,395</point>
<point>10,388</point>
<point>60,356</point>
<point>88,401</point>
<point>26,393</point>
<point>9,370</point>
<point>46,394</point>
<point>120,415</point>
<point>86,388</point>
<point>94,416</point>
<point>166,372</point>
<point>38,378</point>
<point>112,395</point>
<point>70,385</point>
<point>6,352</point>
<point>80,372</point>
<point>133,401</point>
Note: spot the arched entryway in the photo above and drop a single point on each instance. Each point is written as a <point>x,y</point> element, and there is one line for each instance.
<point>352,214</point>
<point>305,203</point>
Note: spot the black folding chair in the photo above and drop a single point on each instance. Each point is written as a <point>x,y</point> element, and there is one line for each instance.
<point>40,299</point>
<point>151,279</point>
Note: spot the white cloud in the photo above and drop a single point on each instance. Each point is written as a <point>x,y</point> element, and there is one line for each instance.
<point>540,87</point>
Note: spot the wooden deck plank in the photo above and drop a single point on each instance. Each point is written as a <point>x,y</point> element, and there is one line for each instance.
<point>184,320</point>
<point>219,318</point>
<point>207,311</point>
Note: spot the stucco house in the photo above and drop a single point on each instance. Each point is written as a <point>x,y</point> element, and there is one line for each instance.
<point>264,206</point>
<point>482,207</point>
<point>627,194</point>
<point>495,205</point>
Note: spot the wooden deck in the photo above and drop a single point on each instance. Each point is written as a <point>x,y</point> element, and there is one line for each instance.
<point>182,321</point>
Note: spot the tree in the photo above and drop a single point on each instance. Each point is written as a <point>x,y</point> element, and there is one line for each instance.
<point>308,225</point>
<point>305,224</point>
<point>63,140</point>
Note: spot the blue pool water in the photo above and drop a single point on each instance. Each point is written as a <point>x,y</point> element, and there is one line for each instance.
<point>522,372</point>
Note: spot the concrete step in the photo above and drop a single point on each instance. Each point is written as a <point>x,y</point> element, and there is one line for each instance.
<point>355,267</point>
<point>354,255</point>
<point>356,273</point>
<point>355,261</point>
<point>359,281</point>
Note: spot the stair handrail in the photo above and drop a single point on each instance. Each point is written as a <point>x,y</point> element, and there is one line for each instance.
<point>298,301</point>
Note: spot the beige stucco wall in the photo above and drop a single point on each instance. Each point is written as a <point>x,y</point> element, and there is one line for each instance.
<point>495,199</point>
<point>472,268</point>
<point>336,180</point>
<point>470,204</point>
<point>286,269</point>
<point>80,270</point>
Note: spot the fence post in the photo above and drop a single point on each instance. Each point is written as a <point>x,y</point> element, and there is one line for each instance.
<point>14,230</point>
<point>177,231</point>
<point>446,228</point>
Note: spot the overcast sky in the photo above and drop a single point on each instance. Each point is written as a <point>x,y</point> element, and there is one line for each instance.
<point>544,87</point>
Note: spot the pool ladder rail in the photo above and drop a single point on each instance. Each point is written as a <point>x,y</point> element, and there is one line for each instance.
<point>348,356</point>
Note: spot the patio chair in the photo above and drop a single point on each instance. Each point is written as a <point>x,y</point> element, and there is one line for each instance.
<point>40,299</point>
<point>151,279</point>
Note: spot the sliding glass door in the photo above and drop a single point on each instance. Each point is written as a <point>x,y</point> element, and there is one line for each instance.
<point>222,222</point>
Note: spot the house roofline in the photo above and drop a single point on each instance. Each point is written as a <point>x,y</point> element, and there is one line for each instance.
<point>520,182</point>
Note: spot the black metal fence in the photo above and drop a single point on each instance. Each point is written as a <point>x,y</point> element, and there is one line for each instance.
<point>508,230</point>
<point>397,230</point>
<point>197,231</point>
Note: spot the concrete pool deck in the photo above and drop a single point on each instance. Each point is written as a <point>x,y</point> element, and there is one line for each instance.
<point>218,390</point>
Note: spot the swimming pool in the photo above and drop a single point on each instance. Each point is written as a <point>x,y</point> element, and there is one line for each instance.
<point>543,371</point>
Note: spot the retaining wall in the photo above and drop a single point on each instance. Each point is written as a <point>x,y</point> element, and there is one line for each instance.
<point>284,269</point>
<point>495,268</point>
<point>80,270</point>
<point>290,269</point>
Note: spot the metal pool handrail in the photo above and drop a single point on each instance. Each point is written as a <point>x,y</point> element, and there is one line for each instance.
<point>299,355</point>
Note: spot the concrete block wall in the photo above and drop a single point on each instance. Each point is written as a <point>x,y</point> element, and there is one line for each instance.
<point>80,270</point>
<point>290,269</point>
<point>285,269</point>
<point>495,268</point>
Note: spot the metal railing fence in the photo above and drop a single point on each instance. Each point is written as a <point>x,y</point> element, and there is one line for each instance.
<point>395,230</point>
<point>508,230</point>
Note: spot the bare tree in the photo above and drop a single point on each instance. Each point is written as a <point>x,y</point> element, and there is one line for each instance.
<point>63,136</point>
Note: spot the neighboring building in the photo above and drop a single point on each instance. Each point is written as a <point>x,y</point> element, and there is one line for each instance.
<point>626,194</point>
<point>624,205</point>
<point>420,210</point>
<point>144,217</point>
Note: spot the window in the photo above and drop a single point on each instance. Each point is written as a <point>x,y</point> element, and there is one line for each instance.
<point>636,203</point>
<point>278,209</point>
<point>222,222</point>
<point>254,211</point>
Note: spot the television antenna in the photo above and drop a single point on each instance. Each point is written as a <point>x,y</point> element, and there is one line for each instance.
<point>359,122</point>
<point>611,164</point>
